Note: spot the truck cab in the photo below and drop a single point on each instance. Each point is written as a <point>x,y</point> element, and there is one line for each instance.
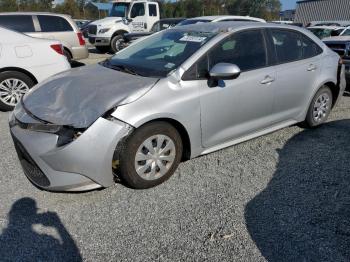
<point>126,16</point>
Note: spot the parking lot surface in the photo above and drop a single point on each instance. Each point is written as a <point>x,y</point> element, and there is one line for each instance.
<point>281,197</point>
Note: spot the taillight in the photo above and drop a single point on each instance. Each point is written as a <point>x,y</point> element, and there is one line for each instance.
<point>58,48</point>
<point>81,38</point>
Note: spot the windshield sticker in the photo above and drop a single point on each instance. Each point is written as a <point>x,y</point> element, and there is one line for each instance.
<point>169,65</point>
<point>196,39</point>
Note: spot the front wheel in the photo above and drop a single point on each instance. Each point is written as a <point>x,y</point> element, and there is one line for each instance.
<point>320,108</point>
<point>117,43</point>
<point>152,155</point>
<point>13,85</point>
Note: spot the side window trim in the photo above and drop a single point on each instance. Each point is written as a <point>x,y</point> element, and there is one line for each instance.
<point>195,64</point>
<point>37,26</point>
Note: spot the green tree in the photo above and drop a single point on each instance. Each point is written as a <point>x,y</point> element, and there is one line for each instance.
<point>8,5</point>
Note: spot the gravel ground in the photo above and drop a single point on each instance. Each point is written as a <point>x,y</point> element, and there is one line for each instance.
<point>281,197</point>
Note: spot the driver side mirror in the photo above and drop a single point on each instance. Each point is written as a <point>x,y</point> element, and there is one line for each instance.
<point>223,71</point>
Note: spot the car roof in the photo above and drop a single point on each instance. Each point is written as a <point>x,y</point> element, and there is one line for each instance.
<point>231,26</point>
<point>34,13</point>
<point>221,17</point>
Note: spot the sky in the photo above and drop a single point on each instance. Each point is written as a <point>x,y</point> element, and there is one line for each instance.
<point>288,4</point>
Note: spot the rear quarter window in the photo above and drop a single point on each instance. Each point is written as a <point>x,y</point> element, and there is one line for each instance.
<point>50,23</point>
<point>19,23</point>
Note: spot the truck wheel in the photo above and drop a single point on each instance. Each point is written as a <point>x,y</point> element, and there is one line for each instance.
<point>152,154</point>
<point>117,43</point>
<point>13,85</point>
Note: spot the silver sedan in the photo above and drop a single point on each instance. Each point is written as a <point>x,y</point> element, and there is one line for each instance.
<point>176,95</point>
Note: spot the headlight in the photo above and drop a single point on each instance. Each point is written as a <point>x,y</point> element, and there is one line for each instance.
<point>104,30</point>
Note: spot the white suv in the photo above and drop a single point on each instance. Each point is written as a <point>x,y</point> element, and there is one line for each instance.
<point>225,18</point>
<point>50,26</point>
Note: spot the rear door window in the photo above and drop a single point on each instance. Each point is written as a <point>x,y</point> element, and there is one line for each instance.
<point>49,23</point>
<point>152,10</point>
<point>19,23</point>
<point>310,48</point>
<point>287,44</point>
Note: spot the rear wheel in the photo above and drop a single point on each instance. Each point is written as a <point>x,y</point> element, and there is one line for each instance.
<point>13,85</point>
<point>152,154</point>
<point>320,108</point>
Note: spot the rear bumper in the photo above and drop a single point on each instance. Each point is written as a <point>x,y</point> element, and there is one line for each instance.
<point>84,164</point>
<point>80,52</point>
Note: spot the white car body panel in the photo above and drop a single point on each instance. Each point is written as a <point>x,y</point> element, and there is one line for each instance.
<point>30,54</point>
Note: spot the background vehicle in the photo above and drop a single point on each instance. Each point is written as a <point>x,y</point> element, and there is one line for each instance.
<point>85,29</point>
<point>180,93</point>
<point>81,22</point>
<point>24,62</point>
<point>326,31</point>
<point>125,17</point>
<point>230,18</point>
<point>49,26</point>
<point>342,23</point>
<point>158,26</point>
<point>341,45</point>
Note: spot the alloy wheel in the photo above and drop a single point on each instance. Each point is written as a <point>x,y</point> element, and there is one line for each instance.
<point>322,107</point>
<point>11,91</point>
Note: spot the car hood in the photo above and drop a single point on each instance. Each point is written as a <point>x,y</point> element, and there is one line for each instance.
<point>80,96</point>
<point>107,21</point>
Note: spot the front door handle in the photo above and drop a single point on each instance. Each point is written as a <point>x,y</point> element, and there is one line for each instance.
<point>311,68</point>
<point>267,80</point>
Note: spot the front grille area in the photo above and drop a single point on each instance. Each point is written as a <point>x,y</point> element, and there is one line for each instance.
<point>92,29</point>
<point>30,168</point>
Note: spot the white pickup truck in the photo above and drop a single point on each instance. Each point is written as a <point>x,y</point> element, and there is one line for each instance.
<point>126,16</point>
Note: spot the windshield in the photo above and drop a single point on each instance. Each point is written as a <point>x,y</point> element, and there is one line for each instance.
<point>119,10</point>
<point>159,54</point>
<point>192,22</point>
<point>323,33</point>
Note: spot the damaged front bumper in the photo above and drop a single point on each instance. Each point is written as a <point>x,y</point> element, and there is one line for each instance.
<point>85,163</point>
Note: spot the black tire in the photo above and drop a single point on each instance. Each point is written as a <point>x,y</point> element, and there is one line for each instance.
<point>14,75</point>
<point>68,55</point>
<point>102,49</point>
<point>128,173</point>
<point>114,46</point>
<point>310,121</point>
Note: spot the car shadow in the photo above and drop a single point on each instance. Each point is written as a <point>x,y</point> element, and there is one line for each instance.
<point>75,64</point>
<point>304,212</point>
<point>21,241</point>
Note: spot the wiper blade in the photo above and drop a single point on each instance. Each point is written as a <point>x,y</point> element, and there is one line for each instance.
<point>122,68</point>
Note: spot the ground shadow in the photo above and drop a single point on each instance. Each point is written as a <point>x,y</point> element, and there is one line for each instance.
<point>21,241</point>
<point>304,213</point>
<point>75,64</point>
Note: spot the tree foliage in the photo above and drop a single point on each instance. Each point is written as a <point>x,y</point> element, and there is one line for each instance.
<point>268,9</point>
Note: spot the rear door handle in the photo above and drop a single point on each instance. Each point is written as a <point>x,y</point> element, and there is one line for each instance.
<point>267,80</point>
<point>311,68</point>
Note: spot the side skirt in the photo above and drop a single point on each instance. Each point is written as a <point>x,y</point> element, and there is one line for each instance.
<point>249,137</point>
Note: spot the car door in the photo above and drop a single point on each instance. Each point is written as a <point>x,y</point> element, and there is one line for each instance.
<point>138,16</point>
<point>241,106</point>
<point>298,64</point>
